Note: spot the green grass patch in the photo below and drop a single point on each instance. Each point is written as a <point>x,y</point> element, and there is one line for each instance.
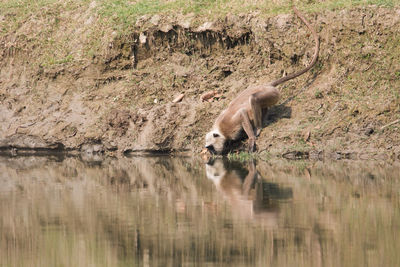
<point>121,16</point>
<point>16,12</point>
<point>49,61</point>
<point>242,156</point>
<point>124,14</point>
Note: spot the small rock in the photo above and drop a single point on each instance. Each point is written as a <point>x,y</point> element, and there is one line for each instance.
<point>155,19</point>
<point>185,24</point>
<point>92,5</point>
<point>369,131</point>
<point>282,21</point>
<point>178,98</point>
<point>166,28</point>
<point>208,95</point>
<point>89,20</point>
<point>141,20</point>
<point>306,136</point>
<point>110,146</point>
<point>217,95</point>
<point>142,38</point>
<point>205,27</point>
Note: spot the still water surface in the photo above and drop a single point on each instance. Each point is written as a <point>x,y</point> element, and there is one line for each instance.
<point>161,211</point>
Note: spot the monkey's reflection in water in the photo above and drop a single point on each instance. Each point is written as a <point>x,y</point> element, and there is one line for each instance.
<point>248,193</point>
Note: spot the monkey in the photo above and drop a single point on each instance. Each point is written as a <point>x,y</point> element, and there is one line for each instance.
<point>246,110</point>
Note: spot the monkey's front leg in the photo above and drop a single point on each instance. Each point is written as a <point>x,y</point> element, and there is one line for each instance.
<point>248,128</point>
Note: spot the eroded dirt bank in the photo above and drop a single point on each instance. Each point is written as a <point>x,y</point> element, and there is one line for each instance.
<point>121,99</point>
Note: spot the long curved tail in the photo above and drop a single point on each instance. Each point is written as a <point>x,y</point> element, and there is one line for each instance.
<point>315,57</point>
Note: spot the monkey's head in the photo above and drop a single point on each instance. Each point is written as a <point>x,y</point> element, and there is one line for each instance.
<point>215,141</point>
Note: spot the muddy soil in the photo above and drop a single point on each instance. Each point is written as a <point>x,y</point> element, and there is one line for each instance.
<point>121,101</point>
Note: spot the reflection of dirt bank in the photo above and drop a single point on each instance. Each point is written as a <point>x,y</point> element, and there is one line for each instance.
<point>166,210</point>
<point>122,98</point>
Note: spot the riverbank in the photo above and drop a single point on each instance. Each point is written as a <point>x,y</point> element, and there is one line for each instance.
<point>71,83</point>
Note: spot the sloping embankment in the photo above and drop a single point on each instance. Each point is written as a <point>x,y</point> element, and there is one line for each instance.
<point>121,99</point>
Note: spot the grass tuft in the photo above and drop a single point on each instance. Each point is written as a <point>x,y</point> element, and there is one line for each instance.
<point>242,156</point>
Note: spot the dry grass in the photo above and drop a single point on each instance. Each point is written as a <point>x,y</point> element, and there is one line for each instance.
<point>96,20</point>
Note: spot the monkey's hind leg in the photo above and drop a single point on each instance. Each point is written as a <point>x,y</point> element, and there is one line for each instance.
<point>260,102</point>
<point>248,128</point>
<point>257,113</point>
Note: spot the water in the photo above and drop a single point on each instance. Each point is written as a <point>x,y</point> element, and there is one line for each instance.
<point>160,211</point>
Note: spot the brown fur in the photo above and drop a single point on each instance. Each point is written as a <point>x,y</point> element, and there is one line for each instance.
<point>245,111</point>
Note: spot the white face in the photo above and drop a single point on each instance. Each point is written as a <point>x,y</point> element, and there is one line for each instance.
<point>215,141</point>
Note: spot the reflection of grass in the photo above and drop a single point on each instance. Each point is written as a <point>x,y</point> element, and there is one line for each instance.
<point>301,165</point>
